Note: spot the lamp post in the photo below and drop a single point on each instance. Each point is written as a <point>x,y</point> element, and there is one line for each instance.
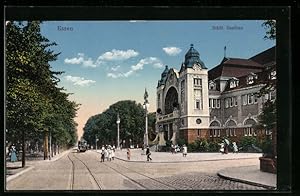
<point>118,133</point>
<point>146,105</point>
<point>96,143</point>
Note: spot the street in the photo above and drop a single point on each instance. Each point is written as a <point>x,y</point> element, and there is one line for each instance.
<point>84,171</point>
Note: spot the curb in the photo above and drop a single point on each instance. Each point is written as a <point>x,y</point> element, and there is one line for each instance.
<point>246,181</point>
<point>184,161</point>
<point>9,178</point>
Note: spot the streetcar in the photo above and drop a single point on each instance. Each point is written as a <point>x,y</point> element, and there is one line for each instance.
<point>82,146</point>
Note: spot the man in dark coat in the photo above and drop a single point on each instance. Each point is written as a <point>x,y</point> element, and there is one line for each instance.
<point>148,153</point>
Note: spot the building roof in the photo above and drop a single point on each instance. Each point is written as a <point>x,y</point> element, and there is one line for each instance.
<point>192,57</point>
<point>234,67</point>
<point>266,57</point>
<point>237,67</point>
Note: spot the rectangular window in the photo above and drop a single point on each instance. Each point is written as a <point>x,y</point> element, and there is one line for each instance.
<point>227,132</point>
<point>250,99</point>
<point>226,103</point>
<point>248,131</point>
<point>236,101</point>
<point>209,103</point>
<point>214,103</point>
<point>244,99</point>
<point>218,103</point>
<point>231,101</point>
<point>245,132</point>
<point>197,82</point>
<point>197,104</point>
<point>210,133</point>
<point>255,99</point>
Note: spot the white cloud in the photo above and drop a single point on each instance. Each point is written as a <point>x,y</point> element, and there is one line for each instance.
<point>115,68</point>
<point>155,62</point>
<point>117,55</point>
<point>81,59</point>
<point>79,81</point>
<point>172,51</point>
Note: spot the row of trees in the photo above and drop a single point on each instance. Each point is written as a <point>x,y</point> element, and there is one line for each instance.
<point>35,105</point>
<point>132,124</point>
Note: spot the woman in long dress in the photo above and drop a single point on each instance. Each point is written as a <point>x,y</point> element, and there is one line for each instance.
<point>13,154</point>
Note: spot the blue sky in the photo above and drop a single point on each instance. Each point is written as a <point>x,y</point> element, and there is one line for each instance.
<point>109,61</point>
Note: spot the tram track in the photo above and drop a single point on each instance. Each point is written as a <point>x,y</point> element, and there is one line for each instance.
<point>150,181</point>
<point>99,186</point>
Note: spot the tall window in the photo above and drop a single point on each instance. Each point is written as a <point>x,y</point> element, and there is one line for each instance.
<point>197,82</point>
<point>244,99</point>
<point>198,104</point>
<point>226,102</point>
<point>250,99</point>
<point>209,103</point>
<point>218,103</point>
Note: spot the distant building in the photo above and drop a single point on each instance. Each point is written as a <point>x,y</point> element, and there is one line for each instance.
<point>195,103</point>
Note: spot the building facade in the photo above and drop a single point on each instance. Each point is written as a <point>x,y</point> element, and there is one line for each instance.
<point>195,103</point>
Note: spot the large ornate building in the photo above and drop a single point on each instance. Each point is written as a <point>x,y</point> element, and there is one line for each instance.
<point>195,103</point>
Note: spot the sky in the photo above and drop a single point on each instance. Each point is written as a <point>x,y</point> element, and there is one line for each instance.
<point>109,61</point>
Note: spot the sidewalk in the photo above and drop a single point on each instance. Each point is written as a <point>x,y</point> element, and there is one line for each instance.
<point>250,175</point>
<point>14,169</point>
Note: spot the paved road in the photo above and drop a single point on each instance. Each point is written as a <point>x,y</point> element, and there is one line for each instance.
<point>84,171</point>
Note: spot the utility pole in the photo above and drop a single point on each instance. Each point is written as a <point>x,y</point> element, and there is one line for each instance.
<point>118,133</point>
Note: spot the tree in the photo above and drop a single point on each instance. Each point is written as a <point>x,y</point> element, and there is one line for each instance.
<point>104,126</point>
<point>32,92</point>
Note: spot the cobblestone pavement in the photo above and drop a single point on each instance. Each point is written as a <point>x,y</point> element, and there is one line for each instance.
<point>203,181</point>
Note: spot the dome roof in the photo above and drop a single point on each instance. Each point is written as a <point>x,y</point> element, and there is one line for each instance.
<point>192,57</point>
<point>165,72</point>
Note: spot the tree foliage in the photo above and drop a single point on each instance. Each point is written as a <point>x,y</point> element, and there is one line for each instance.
<point>34,103</point>
<point>270,26</point>
<point>132,124</point>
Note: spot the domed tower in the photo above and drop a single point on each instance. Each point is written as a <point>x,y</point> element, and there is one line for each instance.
<point>194,114</point>
<point>193,57</point>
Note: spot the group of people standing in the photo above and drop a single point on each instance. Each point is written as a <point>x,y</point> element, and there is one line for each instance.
<point>107,152</point>
<point>225,145</point>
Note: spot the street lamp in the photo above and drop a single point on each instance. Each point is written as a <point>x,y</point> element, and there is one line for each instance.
<point>96,143</point>
<point>118,133</point>
<point>146,106</point>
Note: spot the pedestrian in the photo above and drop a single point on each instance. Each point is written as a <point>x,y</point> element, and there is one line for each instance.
<point>102,154</point>
<point>148,153</point>
<point>235,147</point>
<point>184,150</point>
<point>109,151</point>
<point>13,154</point>
<point>222,148</point>
<point>106,153</point>
<point>128,154</point>
<point>113,154</point>
<point>226,144</point>
<point>172,149</point>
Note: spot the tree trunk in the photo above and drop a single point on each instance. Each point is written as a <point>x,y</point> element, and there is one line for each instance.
<point>23,148</point>
<point>46,145</point>
<point>55,145</point>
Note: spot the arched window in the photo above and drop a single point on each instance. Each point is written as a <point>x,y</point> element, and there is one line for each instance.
<point>249,130</point>
<point>230,130</point>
